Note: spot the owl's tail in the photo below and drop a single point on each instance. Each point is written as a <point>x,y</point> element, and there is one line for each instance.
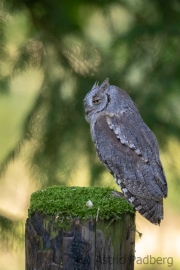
<point>150,209</point>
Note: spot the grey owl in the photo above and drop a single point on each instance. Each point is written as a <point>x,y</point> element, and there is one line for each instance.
<point>128,148</point>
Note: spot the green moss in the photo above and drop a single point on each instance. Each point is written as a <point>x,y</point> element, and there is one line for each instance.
<point>68,202</point>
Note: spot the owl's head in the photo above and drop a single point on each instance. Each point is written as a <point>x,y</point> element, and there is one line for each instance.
<point>107,98</point>
<point>96,99</point>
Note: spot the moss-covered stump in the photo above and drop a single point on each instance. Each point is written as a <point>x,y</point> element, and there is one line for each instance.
<point>74,228</point>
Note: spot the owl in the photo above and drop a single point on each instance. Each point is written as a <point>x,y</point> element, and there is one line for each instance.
<point>128,148</point>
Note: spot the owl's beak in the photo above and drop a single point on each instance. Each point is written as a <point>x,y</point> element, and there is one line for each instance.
<point>88,109</point>
<point>85,103</point>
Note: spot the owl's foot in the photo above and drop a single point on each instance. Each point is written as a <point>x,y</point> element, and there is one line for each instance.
<point>118,194</point>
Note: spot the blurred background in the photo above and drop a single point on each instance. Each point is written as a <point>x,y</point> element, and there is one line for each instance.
<point>51,53</point>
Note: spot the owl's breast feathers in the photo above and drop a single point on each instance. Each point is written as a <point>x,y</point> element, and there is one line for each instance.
<point>129,150</point>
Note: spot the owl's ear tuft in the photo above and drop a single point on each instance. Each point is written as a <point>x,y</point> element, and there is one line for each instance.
<point>95,85</point>
<point>105,84</point>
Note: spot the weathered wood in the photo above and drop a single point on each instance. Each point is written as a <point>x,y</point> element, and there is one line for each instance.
<point>85,245</point>
<point>115,244</point>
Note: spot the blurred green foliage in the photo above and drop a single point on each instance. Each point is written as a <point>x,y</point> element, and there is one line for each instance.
<point>11,232</point>
<point>72,44</point>
<point>134,43</point>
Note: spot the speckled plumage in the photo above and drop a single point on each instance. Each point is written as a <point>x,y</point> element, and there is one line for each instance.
<point>128,148</point>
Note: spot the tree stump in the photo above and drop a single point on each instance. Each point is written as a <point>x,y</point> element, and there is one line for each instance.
<point>83,238</point>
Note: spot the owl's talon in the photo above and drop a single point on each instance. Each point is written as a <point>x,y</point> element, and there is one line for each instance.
<point>118,194</point>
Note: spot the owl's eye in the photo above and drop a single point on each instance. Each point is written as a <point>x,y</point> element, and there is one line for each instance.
<point>96,101</point>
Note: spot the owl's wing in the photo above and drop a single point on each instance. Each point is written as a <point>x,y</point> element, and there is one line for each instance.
<point>129,150</point>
